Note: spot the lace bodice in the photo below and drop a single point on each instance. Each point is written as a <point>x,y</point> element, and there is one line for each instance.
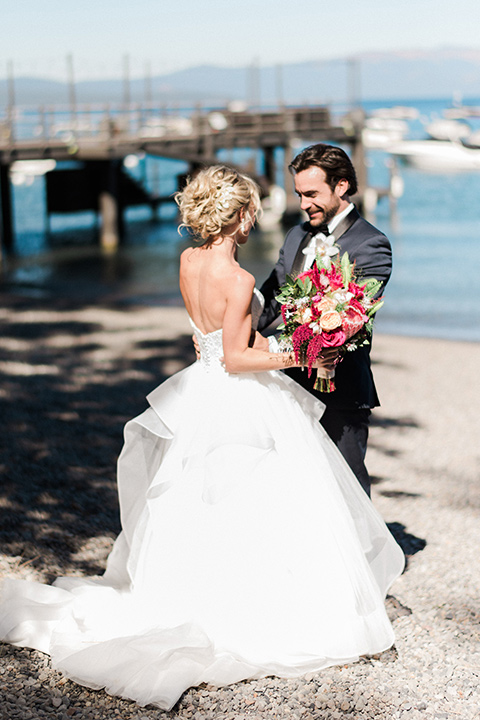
<point>211,344</point>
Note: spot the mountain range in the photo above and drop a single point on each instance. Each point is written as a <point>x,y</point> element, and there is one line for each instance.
<point>395,75</point>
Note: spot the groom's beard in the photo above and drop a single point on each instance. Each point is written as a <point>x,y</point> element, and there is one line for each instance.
<point>325,213</point>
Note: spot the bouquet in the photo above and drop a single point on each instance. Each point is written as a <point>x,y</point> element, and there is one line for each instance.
<point>327,306</point>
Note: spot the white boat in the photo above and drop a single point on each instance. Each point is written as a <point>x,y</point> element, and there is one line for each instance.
<point>473,140</point>
<point>165,126</point>
<point>273,208</point>
<point>448,129</point>
<point>397,112</point>
<point>381,132</point>
<point>436,155</point>
<point>462,112</point>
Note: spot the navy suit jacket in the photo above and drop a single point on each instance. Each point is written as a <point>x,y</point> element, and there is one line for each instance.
<point>372,253</point>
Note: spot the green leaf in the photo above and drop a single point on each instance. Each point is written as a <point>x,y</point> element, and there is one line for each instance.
<point>375,307</point>
<point>346,267</point>
<point>372,286</point>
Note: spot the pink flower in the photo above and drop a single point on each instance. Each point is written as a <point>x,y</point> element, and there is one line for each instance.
<point>335,338</point>
<point>352,321</point>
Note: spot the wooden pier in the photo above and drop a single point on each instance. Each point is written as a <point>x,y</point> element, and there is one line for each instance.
<point>101,147</point>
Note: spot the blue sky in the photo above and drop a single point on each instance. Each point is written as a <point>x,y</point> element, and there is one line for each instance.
<point>37,35</point>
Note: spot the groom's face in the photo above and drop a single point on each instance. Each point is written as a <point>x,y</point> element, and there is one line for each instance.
<point>317,199</point>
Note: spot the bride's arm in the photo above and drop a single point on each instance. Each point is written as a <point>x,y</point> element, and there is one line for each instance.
<point>239,355</point>
<point>237,327</point>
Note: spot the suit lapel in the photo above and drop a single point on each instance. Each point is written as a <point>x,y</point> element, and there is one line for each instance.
<point>298,261</point>
<point>345,224</point>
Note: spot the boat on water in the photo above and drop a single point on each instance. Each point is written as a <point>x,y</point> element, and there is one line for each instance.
<point>381,132</point>
<point>385,126</point>
<point>473,140</point>
<point>436,155</point>
<point>448,129</point>
<point>397,112</point>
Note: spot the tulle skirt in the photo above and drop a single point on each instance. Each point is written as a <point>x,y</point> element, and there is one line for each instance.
<point>247,549</point>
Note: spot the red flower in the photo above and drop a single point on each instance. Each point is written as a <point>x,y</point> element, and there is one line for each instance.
<point>305,274</point>
<point>313,350</point>
<point>315,276</point>
<point>300,335</point>
<point>335,277</point>
<point>356,290</point>
<point>355,305</point>
<point>283,309</point>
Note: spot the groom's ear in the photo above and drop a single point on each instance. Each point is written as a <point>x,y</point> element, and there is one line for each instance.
<point>342,188</point>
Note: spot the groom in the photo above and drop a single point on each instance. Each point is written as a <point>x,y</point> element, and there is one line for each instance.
<point>324,181</point>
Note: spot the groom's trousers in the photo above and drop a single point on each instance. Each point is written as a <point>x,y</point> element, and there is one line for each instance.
<point>349,432</point>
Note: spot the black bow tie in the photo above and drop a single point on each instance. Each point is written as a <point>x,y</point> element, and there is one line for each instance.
<point>322,229</point>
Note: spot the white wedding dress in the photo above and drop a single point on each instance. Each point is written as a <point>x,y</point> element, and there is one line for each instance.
<point>248,548</point>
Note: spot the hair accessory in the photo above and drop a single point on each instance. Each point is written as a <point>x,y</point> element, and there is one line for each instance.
<point>223,197</point>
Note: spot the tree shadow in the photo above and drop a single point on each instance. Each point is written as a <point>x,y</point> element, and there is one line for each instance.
<point>390,422</point>
<point>410,544</point>
<point>63,412</point>
<point>386,363</point>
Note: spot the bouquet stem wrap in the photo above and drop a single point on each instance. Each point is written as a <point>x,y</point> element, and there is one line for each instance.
<point>325,381</point>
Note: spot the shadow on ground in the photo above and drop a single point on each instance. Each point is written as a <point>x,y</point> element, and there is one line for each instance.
<point>64,406</point>
<point>63,412</point>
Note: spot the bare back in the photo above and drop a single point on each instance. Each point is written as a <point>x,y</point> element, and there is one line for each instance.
<point>206,279</point>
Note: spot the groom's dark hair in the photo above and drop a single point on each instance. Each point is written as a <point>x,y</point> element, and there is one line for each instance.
<point>332,160</point>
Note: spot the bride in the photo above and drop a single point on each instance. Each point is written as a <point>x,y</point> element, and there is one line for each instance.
<point>248,548</point>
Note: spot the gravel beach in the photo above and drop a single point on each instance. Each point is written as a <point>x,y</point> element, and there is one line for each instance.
<point>75,367</point>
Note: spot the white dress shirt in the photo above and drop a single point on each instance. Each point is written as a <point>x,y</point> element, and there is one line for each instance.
<point>310,250</point>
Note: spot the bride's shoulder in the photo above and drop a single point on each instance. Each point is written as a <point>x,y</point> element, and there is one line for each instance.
<point>240,282</point>
<point>187,254</point>
<point>242,277</point>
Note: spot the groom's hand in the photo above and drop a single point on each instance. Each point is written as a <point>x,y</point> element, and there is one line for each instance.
<point>258,342</point>
<point>196,346</point>
<point>327,359</point>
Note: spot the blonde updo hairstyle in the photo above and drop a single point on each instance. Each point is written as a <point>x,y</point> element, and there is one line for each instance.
<point>212,199</point>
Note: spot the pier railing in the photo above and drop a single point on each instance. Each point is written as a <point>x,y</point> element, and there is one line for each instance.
<point>102,136</point>
<point>33,133</point>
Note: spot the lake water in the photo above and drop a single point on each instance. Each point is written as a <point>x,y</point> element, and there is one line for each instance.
<point>435,234</point>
